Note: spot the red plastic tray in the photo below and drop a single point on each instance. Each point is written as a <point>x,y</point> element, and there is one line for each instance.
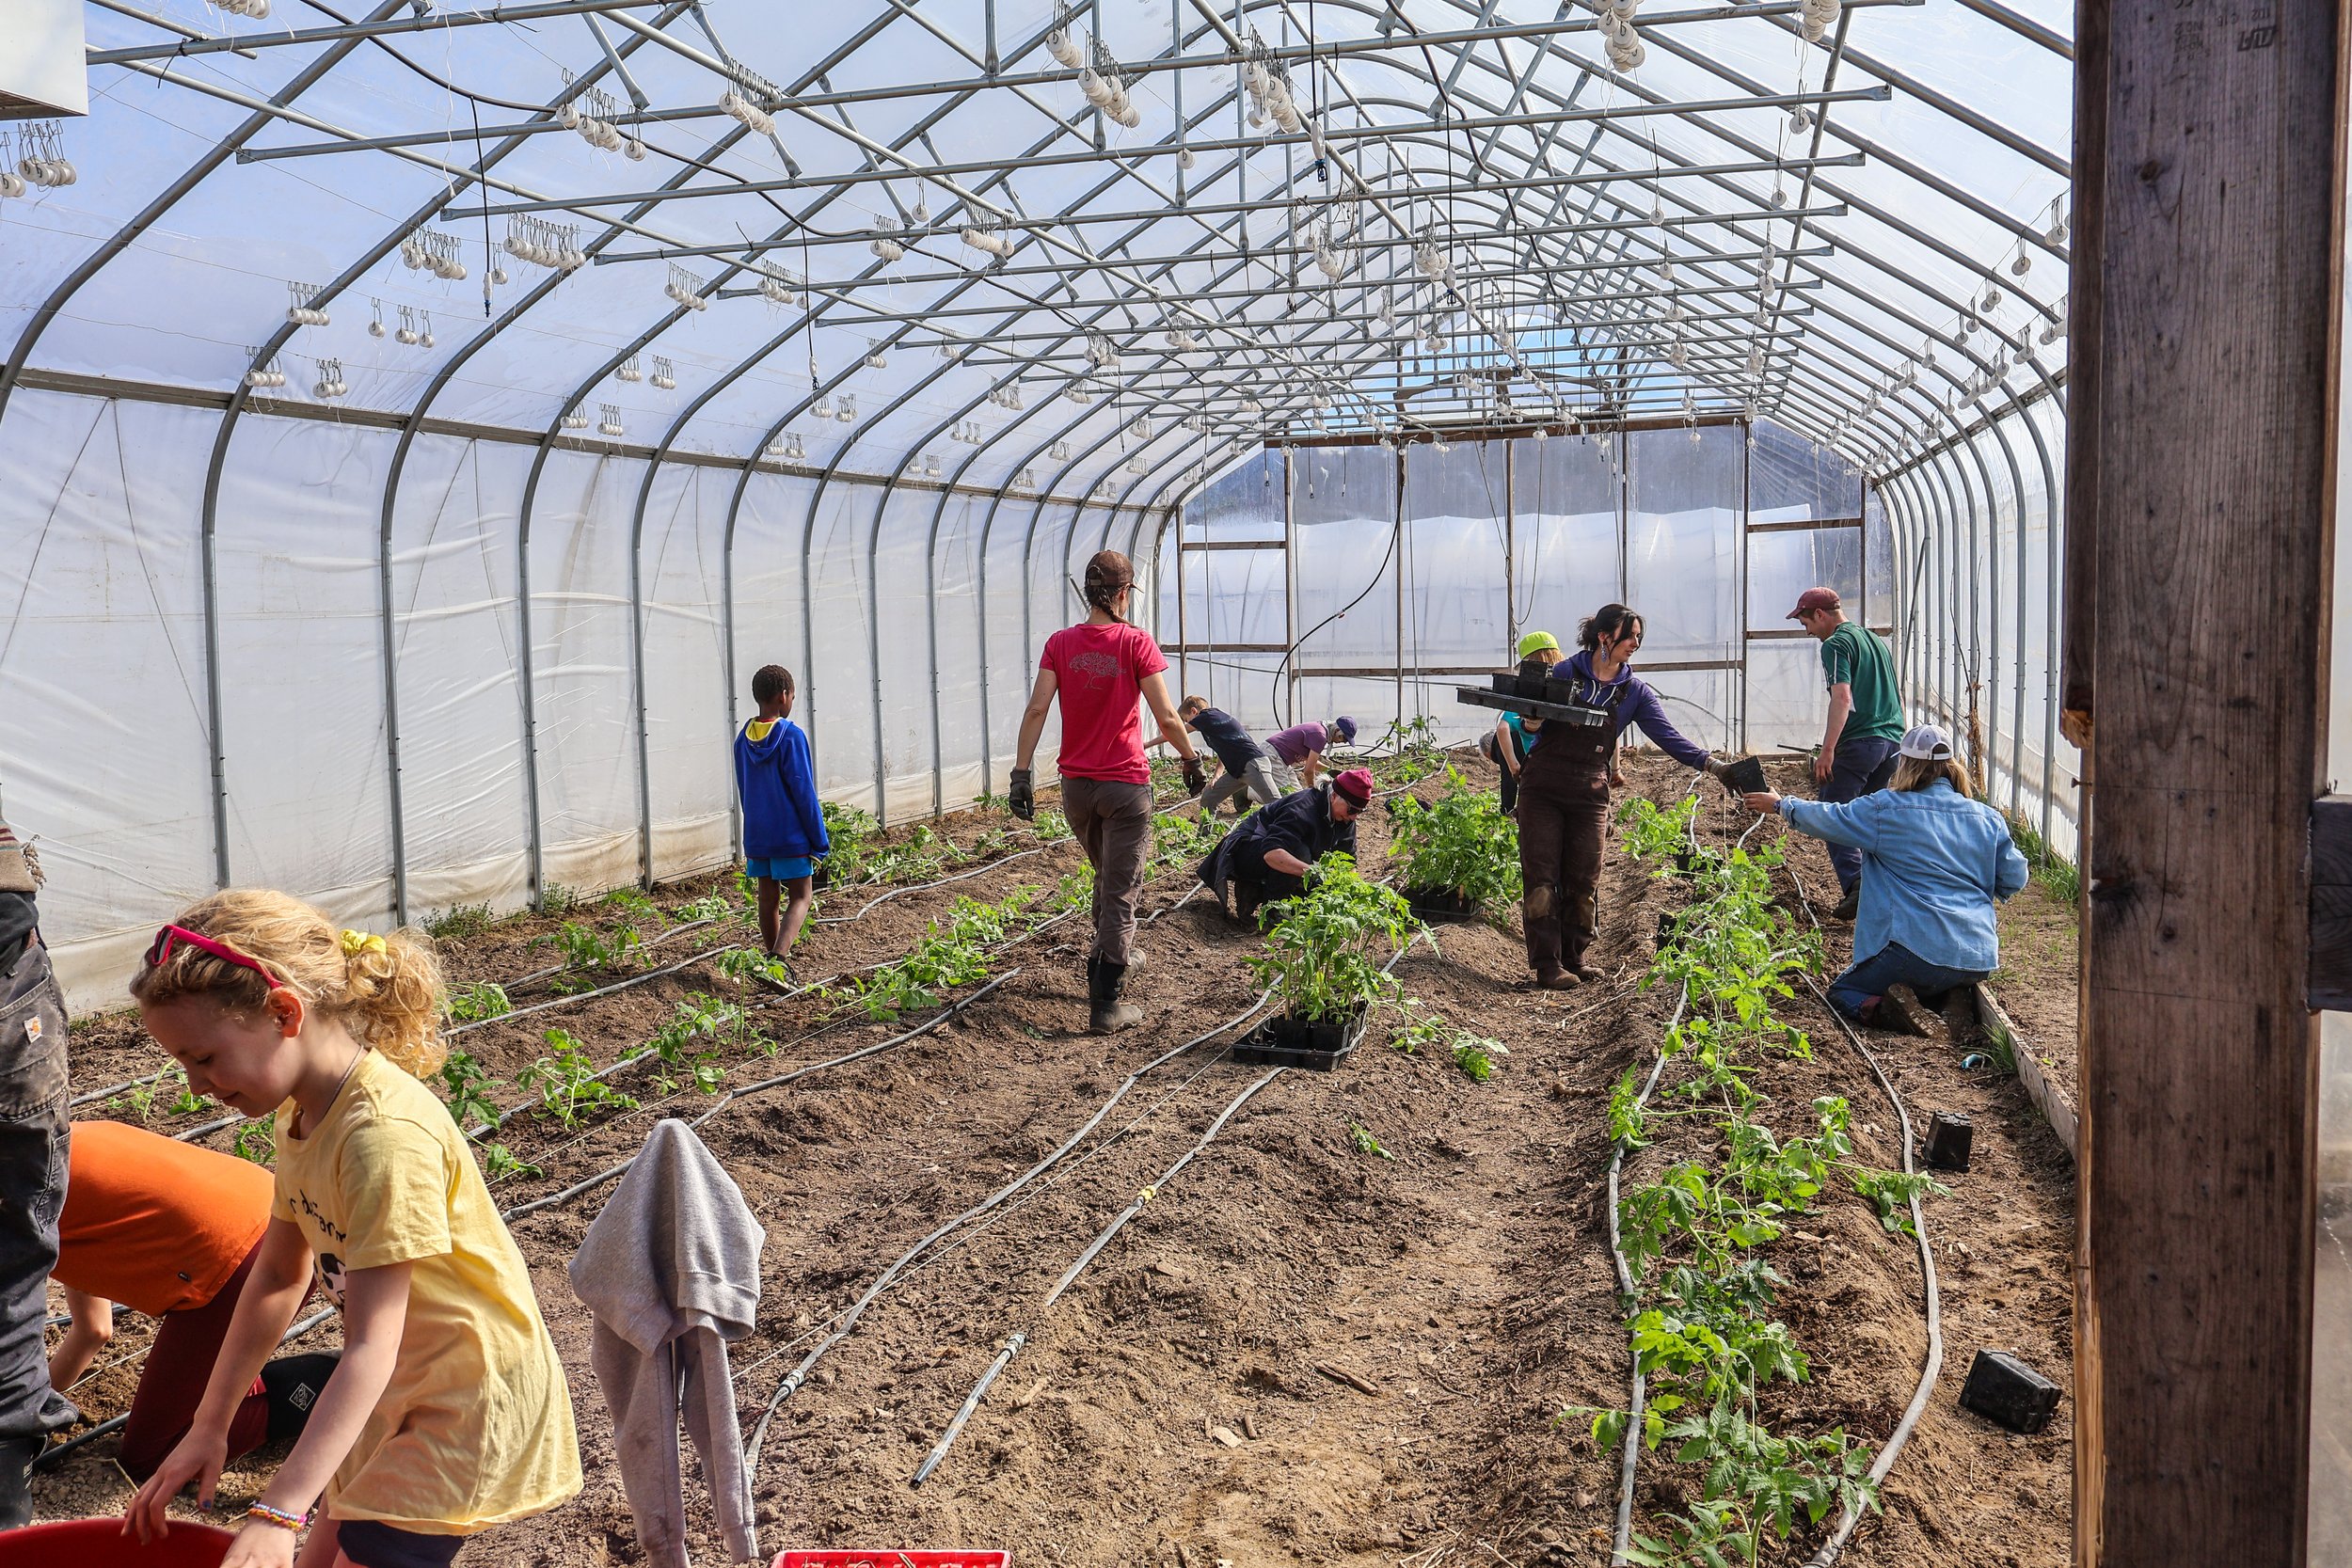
<point>892,1558</point>
<point>100,1543</point>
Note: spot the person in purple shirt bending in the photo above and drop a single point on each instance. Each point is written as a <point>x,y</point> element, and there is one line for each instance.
<point>1302,746</point>
<point>1564,791</point>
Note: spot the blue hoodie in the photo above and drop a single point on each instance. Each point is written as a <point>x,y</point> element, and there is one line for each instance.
<point>777,781</point>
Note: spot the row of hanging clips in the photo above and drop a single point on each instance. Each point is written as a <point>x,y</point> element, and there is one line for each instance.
<point>1104,82</point>
<point>44,163</point>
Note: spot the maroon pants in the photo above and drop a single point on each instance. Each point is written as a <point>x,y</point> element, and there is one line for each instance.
<point>179,1366</point>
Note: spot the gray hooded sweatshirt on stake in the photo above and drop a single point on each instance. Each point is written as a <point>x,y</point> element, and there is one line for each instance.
<point>671,1271</point>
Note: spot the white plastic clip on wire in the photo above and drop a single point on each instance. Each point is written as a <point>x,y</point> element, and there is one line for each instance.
<point>687,289</point>
<point>257,10</point>
<point>664,375</point>
<point>300,311</point>
<point>882,245</point>
<point>265,376</point>
<point>609,424</point>
<point>629,370</point>
<point>756,119</point>
<point>1819,17</point>
<point>330,382</point>
<point>780,288</point>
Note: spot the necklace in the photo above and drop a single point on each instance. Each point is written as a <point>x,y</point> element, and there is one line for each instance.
<point>340,1083</point>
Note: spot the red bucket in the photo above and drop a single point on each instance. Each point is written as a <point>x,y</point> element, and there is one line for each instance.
<point>100,1543</point>
<point>892,1558</point>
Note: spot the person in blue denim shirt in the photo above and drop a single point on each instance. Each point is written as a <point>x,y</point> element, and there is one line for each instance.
<point>1934,863</point>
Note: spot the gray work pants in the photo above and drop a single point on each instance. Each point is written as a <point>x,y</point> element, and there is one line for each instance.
<point>32,1189</point>
<point>1266,779</point>
<point>1113,822</point>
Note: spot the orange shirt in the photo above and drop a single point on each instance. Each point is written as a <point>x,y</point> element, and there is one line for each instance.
<point>155,1225</point>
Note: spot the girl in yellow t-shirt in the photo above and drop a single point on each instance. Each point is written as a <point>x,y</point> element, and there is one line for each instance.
<point>450,1412</point>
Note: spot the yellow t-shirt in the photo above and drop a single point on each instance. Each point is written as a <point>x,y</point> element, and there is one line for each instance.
<point>757,729</point>
<point>475,1427</point>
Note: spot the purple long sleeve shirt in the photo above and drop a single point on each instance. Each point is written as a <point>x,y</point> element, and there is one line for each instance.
<point>1638,705</point>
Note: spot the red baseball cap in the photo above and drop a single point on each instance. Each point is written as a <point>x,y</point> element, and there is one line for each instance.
<point>1355,783</point>
<point>1813,600</point>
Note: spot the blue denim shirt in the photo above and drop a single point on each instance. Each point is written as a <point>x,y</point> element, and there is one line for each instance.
<point>1933,863</point>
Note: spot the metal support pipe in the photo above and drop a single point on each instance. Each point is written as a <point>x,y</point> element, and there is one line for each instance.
<point>246,43</point>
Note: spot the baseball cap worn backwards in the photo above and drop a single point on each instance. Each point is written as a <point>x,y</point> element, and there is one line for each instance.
<point>1927,743</point>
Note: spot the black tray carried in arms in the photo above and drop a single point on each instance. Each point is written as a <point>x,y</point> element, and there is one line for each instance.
<point>1527,707</point>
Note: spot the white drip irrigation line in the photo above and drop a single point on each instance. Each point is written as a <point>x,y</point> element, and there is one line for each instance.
<point>762,1086</point>
<point>847,1320</point>
<point>1849,1518</point>
<point>1020,1337</point>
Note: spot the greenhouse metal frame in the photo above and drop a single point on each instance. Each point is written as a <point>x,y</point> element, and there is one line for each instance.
<point>1444,237</point>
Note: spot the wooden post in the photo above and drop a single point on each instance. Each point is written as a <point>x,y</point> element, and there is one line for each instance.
<point>2201,493</point>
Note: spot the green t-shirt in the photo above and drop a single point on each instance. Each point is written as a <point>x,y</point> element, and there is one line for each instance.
<point>1860,658</point>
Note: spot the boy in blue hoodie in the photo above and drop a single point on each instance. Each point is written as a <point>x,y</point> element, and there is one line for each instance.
<point>784,827</point>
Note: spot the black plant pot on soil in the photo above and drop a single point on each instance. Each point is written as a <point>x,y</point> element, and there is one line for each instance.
<point>1283,1040</point>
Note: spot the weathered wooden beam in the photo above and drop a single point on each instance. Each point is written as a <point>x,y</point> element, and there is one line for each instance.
<point>2201,501</point>
<point>2330,983</point>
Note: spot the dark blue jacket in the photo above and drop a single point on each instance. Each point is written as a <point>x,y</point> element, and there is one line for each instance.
<point>1639,704</point>
<point>1300,822</point>
<point>777,781</point>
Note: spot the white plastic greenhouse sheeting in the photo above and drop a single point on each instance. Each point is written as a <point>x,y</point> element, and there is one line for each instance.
<point>104,662</point>
<point>1696,534</point>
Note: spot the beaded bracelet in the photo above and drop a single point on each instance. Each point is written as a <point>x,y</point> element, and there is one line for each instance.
<point>279,1516</point>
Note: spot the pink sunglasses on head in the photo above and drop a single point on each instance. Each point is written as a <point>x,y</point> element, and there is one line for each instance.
<point>159,952</point>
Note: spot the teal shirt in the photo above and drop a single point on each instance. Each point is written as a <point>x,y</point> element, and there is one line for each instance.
<point>1860,658</point>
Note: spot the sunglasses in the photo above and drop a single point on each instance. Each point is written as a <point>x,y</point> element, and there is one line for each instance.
<point>159,952</point>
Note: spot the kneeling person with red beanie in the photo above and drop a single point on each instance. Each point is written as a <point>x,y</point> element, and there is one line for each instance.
<point>1266,858</point>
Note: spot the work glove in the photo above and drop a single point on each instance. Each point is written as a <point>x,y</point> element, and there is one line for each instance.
<point>1720,769</point>
<point>1196,779</point>
<point>1023,799</point>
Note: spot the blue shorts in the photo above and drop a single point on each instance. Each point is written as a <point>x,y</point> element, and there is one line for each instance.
<point>779,869</point>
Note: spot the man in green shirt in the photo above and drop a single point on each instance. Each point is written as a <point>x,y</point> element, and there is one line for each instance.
<point>1866,720</point>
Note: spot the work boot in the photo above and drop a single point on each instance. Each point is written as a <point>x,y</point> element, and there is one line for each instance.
<point>294,1384</point>
<point>1847,905</point>
<point>1109,1015</point>
<point>16,1491</point>
<point>1552,978</point>
<point>1898,1013</point>
<point>1246,896</point>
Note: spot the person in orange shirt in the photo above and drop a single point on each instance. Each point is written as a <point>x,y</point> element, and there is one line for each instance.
<point>171,1230</point>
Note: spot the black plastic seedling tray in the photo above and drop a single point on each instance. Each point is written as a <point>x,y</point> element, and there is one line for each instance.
<point>1527,707</point>
<point>1440,903</point>
<point>1284,1041</point>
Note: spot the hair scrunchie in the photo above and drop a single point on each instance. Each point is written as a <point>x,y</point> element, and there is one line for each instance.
<point>357,943</point>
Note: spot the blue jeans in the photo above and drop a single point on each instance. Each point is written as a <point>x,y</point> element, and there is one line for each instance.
<point>1856,992</point>
<point>1860,768</point>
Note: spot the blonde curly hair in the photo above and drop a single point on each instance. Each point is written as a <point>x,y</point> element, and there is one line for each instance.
<point>387,991</point>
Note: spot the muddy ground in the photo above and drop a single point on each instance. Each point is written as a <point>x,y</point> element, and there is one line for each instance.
<point>1297,1351</point>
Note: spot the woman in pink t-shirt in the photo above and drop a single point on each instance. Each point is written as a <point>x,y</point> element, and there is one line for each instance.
<point>1100,668</point>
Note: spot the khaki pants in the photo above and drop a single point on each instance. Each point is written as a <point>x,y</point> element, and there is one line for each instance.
<point>1113,822</point>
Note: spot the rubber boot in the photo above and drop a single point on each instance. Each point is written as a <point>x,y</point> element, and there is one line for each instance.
<point>1898,1013</point>
<point>16,1491</point>
<point>294,1384</point>
<point>1109,1014</point>
<point>1557,979</point>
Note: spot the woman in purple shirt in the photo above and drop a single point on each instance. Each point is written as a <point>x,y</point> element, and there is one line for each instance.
<point>1302,746</point>
<point>1564,791</point>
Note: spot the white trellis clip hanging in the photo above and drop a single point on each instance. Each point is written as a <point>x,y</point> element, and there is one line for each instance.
<point>330,382</point>
<point>264,376</point>
<point>687,289</point>
<point>609,421</point>
<point>300,311</point>
<point>629,370</point>
<point>664,375</point>
<point>44,162</point>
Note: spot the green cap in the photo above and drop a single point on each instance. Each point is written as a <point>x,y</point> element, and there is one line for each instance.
<point>1535,643</point>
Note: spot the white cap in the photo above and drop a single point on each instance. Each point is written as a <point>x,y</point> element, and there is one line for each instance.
<point>1927,743</point>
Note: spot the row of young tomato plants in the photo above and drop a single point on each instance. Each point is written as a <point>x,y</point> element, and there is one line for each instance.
<point>1695,1241</point>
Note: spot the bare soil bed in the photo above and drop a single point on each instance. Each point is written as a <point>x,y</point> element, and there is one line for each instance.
<point>1297,1351</point>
